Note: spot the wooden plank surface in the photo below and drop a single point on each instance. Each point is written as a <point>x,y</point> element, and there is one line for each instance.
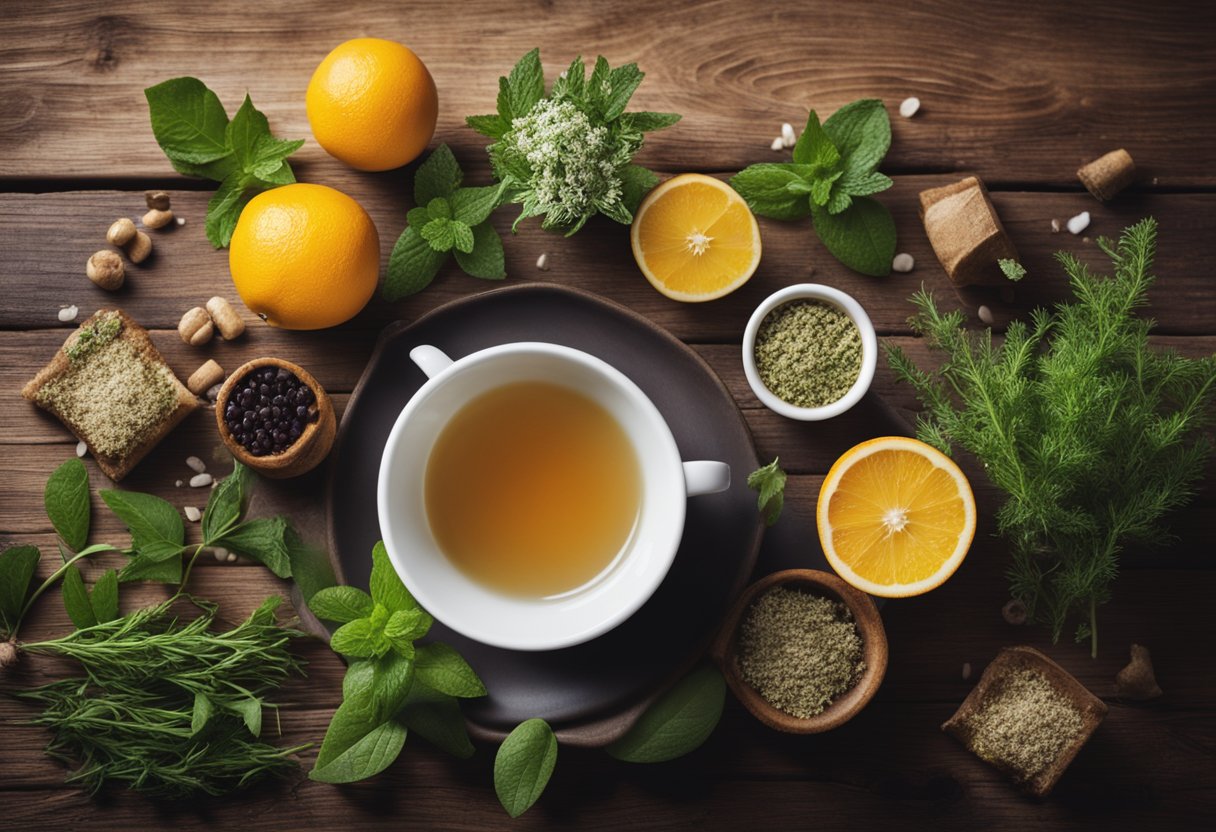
<point>1020,94</point>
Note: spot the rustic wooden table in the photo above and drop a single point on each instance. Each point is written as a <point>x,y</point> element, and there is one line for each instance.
<point>1017,94</point>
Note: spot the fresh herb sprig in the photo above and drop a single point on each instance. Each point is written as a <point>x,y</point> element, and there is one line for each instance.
<point>568,155</point>
<point>769,484</point>
<point>1092,434</point>
<point>831,179</point>
<point>447,220</point>
<point>193,129</point>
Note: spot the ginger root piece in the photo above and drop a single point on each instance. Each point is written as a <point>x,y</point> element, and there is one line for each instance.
<point>1136,681</point>
<point>965,232</point>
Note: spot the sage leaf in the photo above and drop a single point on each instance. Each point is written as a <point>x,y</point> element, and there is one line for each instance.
<point>341,603</point>
<point>156,528</point>
<point>486,260</point>
<point>862,238</point>
<point>201,715</point>
<point>523,765</point>
<point>437,177</point>
<point>436,717</point>
<point>17,566</point>
<point>861,131</point>
<point>104,597</point>
<point>357,745</point>
<point>67,503</point>
<point>412,265</point>
<point>386,586</point>
<point>227,503</point>
<point>263,540</point>
<point>439,666</point>
<point>678,722</point>
<point>76,599</point>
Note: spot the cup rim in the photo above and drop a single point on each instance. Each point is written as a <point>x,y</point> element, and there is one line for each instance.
<point>550,637</point>
<point>869,351</point>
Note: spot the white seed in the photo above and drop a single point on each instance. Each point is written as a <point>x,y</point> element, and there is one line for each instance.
<point>1055,226</point>
<point>909,106</point>
<point>231,557</point>
<point>777,144</point>
<point>195,464</point>
<point>1079,223</point>
<point>220,554</point>
<point>542,262</point>
<point>788,137</point>
<point>966,671</point>
<point>903,262</point>
<point>200,480</point>
<point>177,484</point>
<point>985,315</point>
<point>68,313</point>
<point>180,221</point>
<point>1154,180</point>
<point>81,448</point>
<point>193,514</point>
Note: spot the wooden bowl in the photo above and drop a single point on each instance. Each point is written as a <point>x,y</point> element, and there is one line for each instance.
<point>869,627</point>
<point>307,451</point>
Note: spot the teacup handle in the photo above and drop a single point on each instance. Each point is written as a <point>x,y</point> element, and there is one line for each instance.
<point>705,477</point>
<point>431,360</point>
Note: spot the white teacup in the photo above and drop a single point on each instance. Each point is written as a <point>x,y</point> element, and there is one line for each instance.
<point>580,615</point>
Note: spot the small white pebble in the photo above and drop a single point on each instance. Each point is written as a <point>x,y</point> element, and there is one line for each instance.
<point>966,671</point>
<point>220,554</point>
<point>180,221</point>
<point>985,315</point>
<point>231,557</point>
<point>1154,180</point>
<point>177,484</point>
<point>81,448</point>
<point>1079,223</point>
<point>195,464</point>
<point>200,480</point>
<point>193,514</point>
<point>1055,226</point>
<point>777,144</point>
<point>903,262</point>
<point>542,262</point>
<point>213,392</point>
<point>909,106</point>
<point>68,313</point>
<point>788,137</point>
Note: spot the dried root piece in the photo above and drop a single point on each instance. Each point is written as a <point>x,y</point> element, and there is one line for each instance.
<point>966,234</point>
<point>1136,681</point>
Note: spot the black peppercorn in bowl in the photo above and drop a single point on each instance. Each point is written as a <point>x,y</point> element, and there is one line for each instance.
<point>275,418</point>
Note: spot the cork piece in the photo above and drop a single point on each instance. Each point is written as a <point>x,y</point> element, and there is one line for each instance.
<point>1107,175</point>
<point>206,376</point>
<point>965,232</point>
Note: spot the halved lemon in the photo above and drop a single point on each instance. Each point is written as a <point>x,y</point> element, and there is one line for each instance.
<point>695,239</point>
<point>896,516</point>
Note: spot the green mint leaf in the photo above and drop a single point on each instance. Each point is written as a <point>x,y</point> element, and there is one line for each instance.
<point>493,126</point>
<point>678,722</point>
<point>616,211</point>
<point>519,92</point>
<point>1012,269</point>
<point>382,683</point>
<point>360,638</point>
<point>857,183</point>
<point>769,481</point>
<point>408,625</point>
<point>224,209</point>
<point>486,260</point>
<point>572,83</point>
<point>645,122</point>
<point>104,597</point>
<point>636,182</point>
<point>862,238</point>
<point>438,177</point>
<point>622,84</point>
<point>141,568</point>
<point>861,132</point>
<point>523,765</point>
<point>243,132</point>
<point>188,121</point>
<point>816,149</point>
<point>439,235</point>
<point>765,188</point>
<point>462,237</point>
<point>156,528</point>
<point>821,191</point>
<point>440,667</point>
<point>385,585</point>
<point>416,218</point>
<point>17,567</point>
<point>838,201</point>
<point>249,709</point>
<point>263,540</point>
<point>599,83</point>
<point>66,498</point>
<point>227,503</point>
<point>439,208</point>
<point>472,206</point>
<point>412,265</point>
<point>436,717</point>
<point>269,160</point>
<point>201,713</point>
<point>76,599</point>
<point>310,566</point>
<point>341,603</point>
<point>358,744</point>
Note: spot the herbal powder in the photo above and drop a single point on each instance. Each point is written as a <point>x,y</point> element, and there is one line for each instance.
<point>808,353</point>
<point>799,651</point>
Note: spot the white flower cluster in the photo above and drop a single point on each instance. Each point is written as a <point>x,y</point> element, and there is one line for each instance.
<point>573,162</point>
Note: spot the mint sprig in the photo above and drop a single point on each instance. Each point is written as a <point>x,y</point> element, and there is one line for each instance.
<point>769,483</point>
<point>448,220</point>
<point>193,130</point>
<point>832,175</point>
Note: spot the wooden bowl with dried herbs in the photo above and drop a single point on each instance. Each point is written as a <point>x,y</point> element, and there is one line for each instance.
<point>803,651</point>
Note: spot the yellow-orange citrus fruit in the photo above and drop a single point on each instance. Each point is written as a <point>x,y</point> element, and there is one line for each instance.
<point>372,103</point>
<point>695,239</point>
<point>896,516</point>
<point>304,256</point>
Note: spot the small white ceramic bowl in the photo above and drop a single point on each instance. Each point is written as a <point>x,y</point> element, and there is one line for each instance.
<point>869,350</point>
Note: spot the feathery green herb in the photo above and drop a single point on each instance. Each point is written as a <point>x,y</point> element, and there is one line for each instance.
<point>1092,435</point>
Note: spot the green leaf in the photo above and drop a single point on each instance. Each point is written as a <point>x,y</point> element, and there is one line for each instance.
<point>437,177</point>
<point>765,187</point>
<point>269,160</point>
<point>188,120</point>
<point>821,191</point>
<point>408,625</point>
<point>519,91</point>
<point>76,599</point>
<point>358,744</point>
<point>201,715</point>
<point>385,584</point>
<point>492,126</point>
<point>17,566</point>
<point>486,260</point>
<point>243,132</point>
<point>436,717</point>
<point>439,234</point>
<point>67,503</point>
<point>523,765</point>
<point>104,597</point>
<point>417,217</point>
<point>249,709</point>
<point>622,84</point>
<point>462,237</point>
<point>861,132</point>
<point>645,122</point>
<point>678,722</point>
<point>310,566</point>
<point>412,265</point>
<point>264,540</point>
<point>360,638</point>
<point>341,603</point>
<point>439,208</point>
<point>636,182</point>
<point>224,209</point>
<point>815,148</point>
<point>862,238</point>
<point>440,667</point>
<point>1011,268</point>
<point>156,528</point>
<point>473,205</point>
<point>572,83</point>
<point>769,481</point>
<point>838,201</point>
<point>855,183</point>
<point>140,568</point>
<point>227,503</point>
<point>599,82</point>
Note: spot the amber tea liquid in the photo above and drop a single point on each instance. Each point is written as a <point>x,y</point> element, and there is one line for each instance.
<point>532,489</point>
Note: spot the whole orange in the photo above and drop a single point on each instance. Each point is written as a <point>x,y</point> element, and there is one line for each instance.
<point>304,256</point>
<point>372,103</point>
